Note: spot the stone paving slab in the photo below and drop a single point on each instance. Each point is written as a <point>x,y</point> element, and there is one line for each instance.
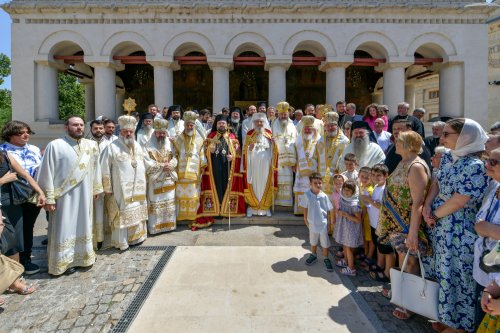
<point>91,301</point>
<point>364,290</point>
<point>248,289</point>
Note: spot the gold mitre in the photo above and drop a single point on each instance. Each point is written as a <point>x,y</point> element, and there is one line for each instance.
<point>160,125</point>
<point>307,121</point>
<point>331,117</point>
<point>190,116</point>
<point>282,107</point>
<point>127,122</point>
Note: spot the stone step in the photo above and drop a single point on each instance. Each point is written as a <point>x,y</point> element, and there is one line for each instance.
<point>279,217</point>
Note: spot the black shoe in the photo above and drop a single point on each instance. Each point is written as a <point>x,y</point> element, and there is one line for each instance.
<point>30,268</point>
<point>70,271</point>
<point>45,241</point>
<point>85,269</point>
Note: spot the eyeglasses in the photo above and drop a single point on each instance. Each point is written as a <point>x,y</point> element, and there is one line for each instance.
<point>491,161</point>
<point>446,134</point>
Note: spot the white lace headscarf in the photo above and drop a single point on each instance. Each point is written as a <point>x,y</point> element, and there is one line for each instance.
<point>471,140</point>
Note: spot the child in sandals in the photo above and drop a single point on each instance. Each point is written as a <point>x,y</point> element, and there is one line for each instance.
<point>348,228</point>
<point>318,213</point>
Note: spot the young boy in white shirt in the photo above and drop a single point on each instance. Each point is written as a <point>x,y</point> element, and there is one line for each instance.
<point>385,255</point>
<point>318,212</point>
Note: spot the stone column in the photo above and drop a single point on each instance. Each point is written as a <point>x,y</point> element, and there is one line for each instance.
<point>394,85</point>
<point>277,82</point>
<point>451,90</point>
<point>164,84</point>
<point>335,81</point>
<point>46,93</point>
<point>105,90</point>
<point>410,96</point>
<point>220,72</point>
<point>89,99</point>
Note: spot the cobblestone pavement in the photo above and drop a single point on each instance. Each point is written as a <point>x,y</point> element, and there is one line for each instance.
<point>94,301</point>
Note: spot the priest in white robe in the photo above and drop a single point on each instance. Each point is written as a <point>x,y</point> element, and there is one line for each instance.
<point>124,181</point>
<point>161,178</point>
<point>307,159</point>
<point>260,162</point>
<point>144,130</point>
<point>330,148</point>
<point>285,135</point>
<point>368,153</point>
<point>70,176</point>
<point>97,135</point>
<point>175,121</point>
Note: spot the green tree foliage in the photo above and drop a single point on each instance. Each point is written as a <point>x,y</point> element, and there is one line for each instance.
<point>71,97</point>
<point>5,94</point>
<point>5,106</point>
<point>4,67</point>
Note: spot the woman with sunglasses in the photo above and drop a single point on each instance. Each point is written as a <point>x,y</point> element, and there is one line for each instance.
<point>488,228</point>
<point>450,211</point>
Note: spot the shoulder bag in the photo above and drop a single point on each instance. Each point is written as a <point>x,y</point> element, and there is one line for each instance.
<point>414,293</point>
<point>21,189</point>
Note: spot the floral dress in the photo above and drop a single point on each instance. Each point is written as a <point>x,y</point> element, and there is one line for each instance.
<point>395,211</point>
<point>453,240</point>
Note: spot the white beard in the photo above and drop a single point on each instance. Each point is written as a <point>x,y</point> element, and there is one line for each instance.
<point>129,142</point>
<point>259,130</point>
<point>307,137</point>
<point>189,132</point>
<point>360,146</point>
<point>332,134</point>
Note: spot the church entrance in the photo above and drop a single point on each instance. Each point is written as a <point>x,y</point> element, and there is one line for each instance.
<point>248,81</point>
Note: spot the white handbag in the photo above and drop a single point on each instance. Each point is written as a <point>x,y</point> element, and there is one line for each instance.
<point>414,292</point>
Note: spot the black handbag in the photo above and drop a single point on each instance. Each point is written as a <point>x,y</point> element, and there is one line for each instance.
<point>21,190</point>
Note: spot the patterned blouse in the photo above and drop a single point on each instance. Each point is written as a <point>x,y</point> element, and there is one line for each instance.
<point>28,156</point>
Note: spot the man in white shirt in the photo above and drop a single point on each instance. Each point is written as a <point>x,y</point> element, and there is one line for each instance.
<point>383,137</point>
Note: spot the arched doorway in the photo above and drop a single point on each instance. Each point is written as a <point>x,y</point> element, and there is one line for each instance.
<point>193,82</point>
<point>305,83</point>
<point>361,81</point>
<point>138,80</point>
<point>248,81</point>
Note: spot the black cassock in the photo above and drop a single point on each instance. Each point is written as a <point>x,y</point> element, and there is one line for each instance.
<point>220,167</point>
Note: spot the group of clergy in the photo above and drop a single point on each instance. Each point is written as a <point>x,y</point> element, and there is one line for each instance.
<point>164,170</point>
<point>177,170</point>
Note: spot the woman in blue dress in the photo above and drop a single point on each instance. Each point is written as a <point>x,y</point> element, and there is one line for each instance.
<point>450,210</point>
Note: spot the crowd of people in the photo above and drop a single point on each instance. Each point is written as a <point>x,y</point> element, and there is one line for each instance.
<point>379,186</point>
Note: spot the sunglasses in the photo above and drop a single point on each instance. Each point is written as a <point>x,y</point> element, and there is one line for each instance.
<point>446,134</point>
<point>491,161</point>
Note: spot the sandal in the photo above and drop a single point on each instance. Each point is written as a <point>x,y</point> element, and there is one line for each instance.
<point>23,291</point>
<point>386,292</point>
<point>438,327</point>
<point>341,263</point>
<point>2,301</point>
<point>379,276</point>
<point>347,271</point>
<point>402,314</point>
<point>360,256</point>
<point>367,263</point>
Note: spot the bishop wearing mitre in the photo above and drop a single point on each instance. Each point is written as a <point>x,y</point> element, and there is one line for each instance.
<point>222,182</point>
<point>285,135</point>
<point>260,163</point>
<point>330,148</point>
<point>307,159</point>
